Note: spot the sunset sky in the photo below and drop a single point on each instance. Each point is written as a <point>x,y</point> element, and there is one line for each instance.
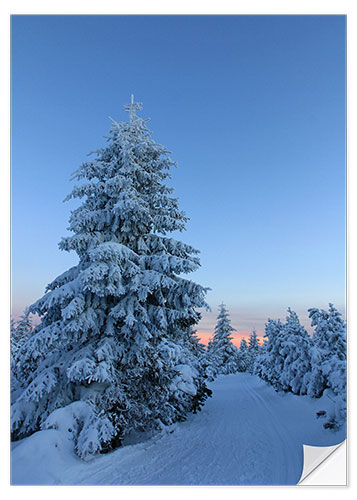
<point>253,110</point>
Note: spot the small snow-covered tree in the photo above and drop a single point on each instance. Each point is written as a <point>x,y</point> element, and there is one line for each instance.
<point>223,353</point>
<point>329,366</point>
<point>296,350</point>
<point>253,350</point>
<point>269,363</point>
<point>114,347</point>
<point>243,356</point>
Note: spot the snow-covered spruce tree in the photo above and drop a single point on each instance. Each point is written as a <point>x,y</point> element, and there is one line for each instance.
<point>253,350</point>
<point>243,356</point>
<point>269,363</point>
<point>296,350</point>
<point>329,367</point>
<point>223,354</point>
<point>113,351</point>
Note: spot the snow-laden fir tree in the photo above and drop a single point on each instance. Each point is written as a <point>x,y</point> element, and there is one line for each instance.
<point>243,356</point>
<point>296,350</point>
<point>329,366</point>
<point>269,363</point>
<point>113,351</point>
<point>253,350</point>
<point>223,353</point>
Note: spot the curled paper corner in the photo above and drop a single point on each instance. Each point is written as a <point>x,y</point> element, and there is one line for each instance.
<point>324,465</point>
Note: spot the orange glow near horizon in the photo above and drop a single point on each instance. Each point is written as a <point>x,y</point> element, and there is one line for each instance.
<point>237,337</point>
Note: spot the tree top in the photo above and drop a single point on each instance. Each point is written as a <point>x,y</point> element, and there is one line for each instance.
<point>132,108</point>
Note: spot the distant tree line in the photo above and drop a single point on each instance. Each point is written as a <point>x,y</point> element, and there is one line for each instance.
<point>289,359</point>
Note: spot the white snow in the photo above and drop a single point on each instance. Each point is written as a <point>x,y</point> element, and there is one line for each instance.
<point>245,434</point>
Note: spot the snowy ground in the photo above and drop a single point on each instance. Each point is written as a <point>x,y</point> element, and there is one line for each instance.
<point>245,434</point>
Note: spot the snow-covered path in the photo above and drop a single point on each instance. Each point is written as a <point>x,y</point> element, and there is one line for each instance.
<point>245,434</point>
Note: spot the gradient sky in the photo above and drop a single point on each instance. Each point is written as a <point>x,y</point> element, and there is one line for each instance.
<point>253,110</point>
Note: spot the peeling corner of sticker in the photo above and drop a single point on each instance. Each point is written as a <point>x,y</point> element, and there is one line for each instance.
<point>314,456</point>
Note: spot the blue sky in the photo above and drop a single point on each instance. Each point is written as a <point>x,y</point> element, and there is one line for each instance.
<point>253,110</point>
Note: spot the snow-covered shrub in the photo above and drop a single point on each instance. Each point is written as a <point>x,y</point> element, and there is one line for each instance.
<point>116,329</point>
<point>80,422</point>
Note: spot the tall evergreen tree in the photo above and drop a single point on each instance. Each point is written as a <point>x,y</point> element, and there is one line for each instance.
<point>223,353</point>
<point>114,346</point>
